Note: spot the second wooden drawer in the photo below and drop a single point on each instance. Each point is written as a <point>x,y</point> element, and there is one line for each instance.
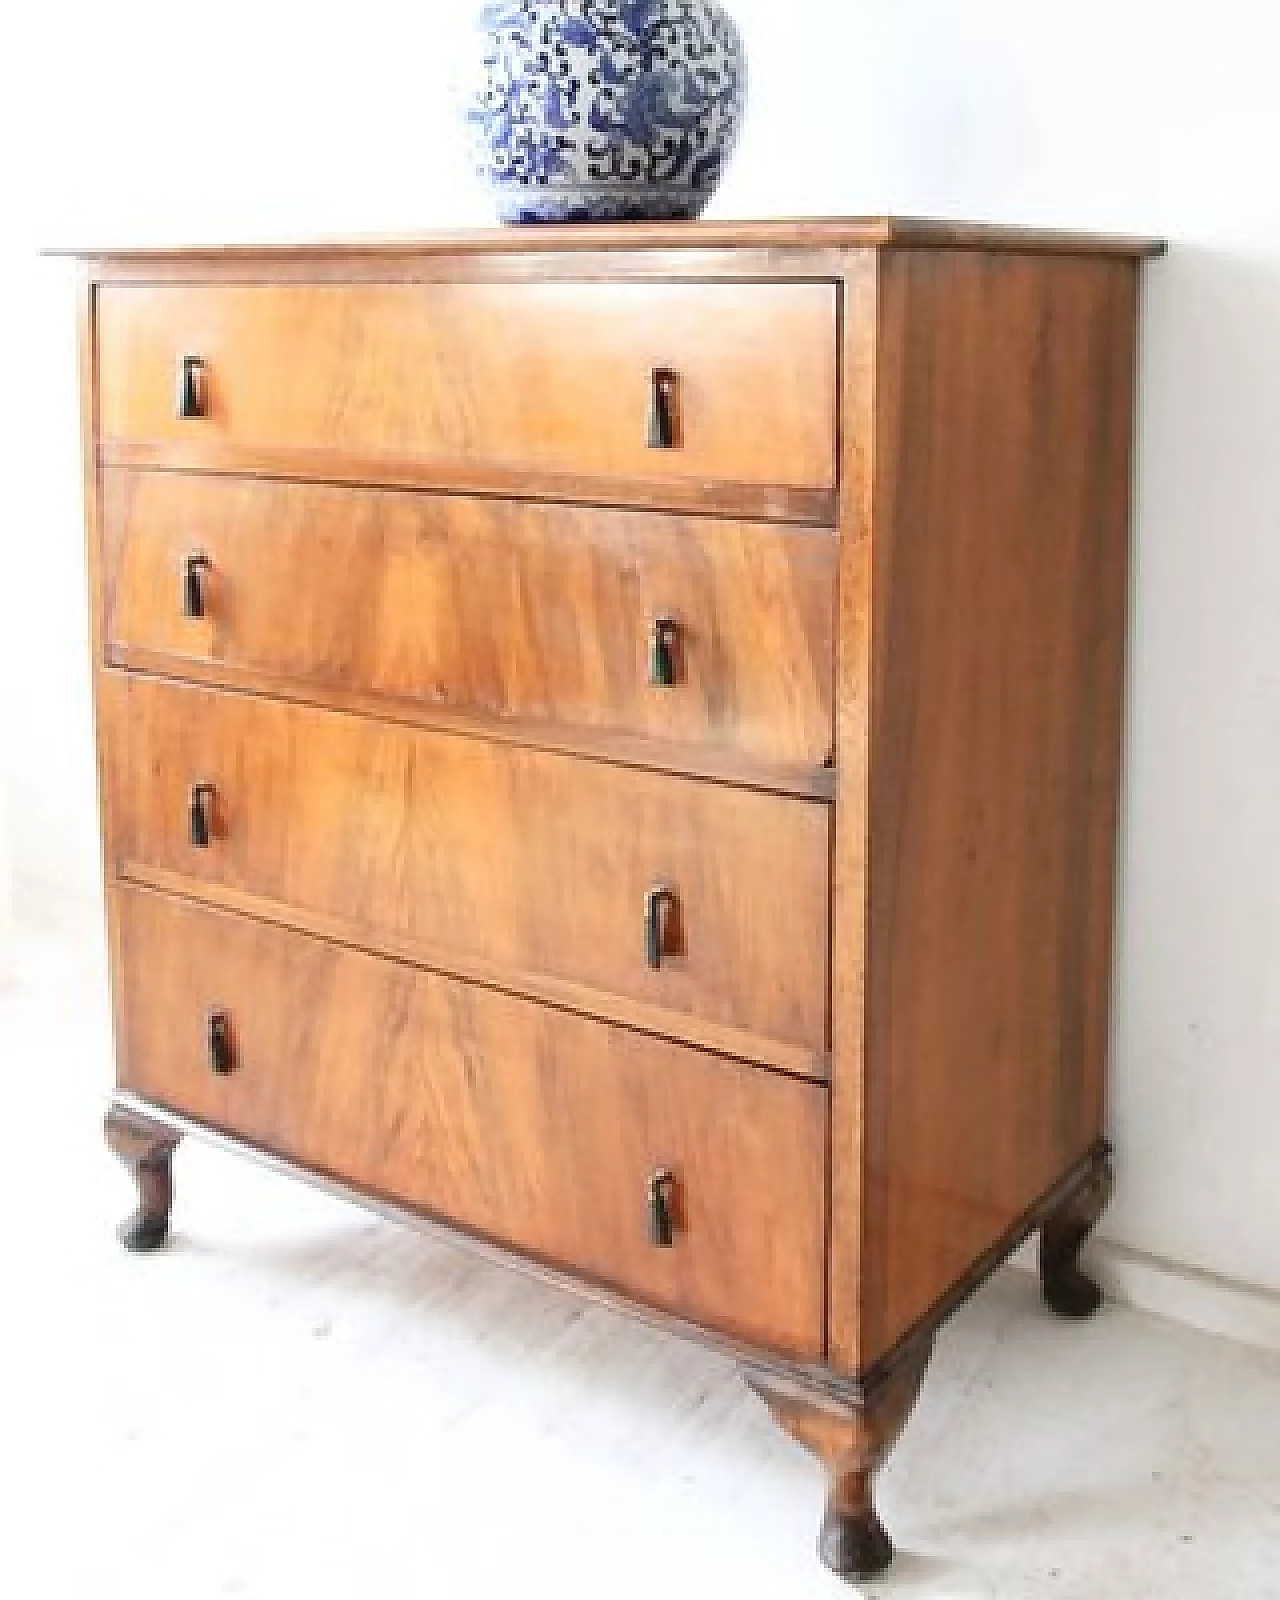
<point>491,608</point>
<point>700,908</point>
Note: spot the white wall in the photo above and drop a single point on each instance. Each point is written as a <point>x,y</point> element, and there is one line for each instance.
<point>6,890</point>
<point>158,122</point>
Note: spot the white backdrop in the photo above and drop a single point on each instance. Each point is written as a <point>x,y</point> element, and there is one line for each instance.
<point>6,891</point>
<point>160,122</point>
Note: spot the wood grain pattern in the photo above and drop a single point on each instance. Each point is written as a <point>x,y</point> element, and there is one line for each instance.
<point>519,612</point>
<point>529,861</point>
<point>1004,411</point>
<point>526,1125</point>
<point>483,385</point>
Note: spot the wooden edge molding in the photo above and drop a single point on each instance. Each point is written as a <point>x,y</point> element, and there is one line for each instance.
<point>815,232</point>
<point>848,1253</point>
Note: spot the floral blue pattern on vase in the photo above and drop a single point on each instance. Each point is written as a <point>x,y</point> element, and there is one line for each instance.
<point>605,110</point>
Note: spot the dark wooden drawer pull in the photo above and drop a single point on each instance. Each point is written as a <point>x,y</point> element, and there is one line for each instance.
<point>662,409</point>
<point>199,815</point>
<point>194,567</point>
<point>659,903</point>
<point>222,1058</point>
<point>663,638</point>
<point>192,396</point>
<point>661,1213</point>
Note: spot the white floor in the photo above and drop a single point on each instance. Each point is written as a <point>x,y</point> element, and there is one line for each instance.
<point>298,1400</point>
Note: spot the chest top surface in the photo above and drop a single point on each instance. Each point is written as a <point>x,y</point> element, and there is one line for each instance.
<point>810,233</point>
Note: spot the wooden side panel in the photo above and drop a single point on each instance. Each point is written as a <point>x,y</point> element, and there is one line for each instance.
<point>528,614</point>
<point>1004,416</point>
<point>531,1127</point>
<point>484,857</point>
<point>514,387</point>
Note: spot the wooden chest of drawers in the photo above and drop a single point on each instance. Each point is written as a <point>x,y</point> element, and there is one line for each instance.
<point>609,743</point>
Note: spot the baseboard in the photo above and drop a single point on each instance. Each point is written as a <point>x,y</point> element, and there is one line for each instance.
<point>1198,1299</point>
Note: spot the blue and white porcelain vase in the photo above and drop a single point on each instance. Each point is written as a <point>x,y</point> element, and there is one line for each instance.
<point>605,110</point>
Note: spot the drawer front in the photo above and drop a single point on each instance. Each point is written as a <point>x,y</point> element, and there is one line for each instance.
<point>482,384</point>
<point>531,1127</point>
<point>510,610</point>
<point>493,860</point>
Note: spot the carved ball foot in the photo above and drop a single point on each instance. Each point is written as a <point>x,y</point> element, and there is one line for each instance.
<point>854,1544</point>
<point>1067,1290</point>
<point>146,1149</point>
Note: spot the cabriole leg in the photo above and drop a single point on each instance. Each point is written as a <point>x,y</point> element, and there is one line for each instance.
<point>852,1438</point>
<point>1066,1289</point>
<point>146,1148</point>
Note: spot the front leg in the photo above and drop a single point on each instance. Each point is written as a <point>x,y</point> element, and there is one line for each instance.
<point>852,1437</point>
<point>1065,1288</point>
<point>146,1148</point>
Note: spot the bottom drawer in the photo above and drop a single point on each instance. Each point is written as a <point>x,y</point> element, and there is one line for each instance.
<point>531,1126</point>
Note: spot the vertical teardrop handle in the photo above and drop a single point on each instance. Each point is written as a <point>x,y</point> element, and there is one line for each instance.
<point>192,396</point>
<point>663,638</point>
<point>661,1220</point>
<point>199,810</point>
<point>222,1056</point>
<point>662,409</point>
<point>659,902</point>
<point>194,568</point>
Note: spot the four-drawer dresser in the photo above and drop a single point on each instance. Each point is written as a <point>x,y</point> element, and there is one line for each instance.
<point>609,742</point>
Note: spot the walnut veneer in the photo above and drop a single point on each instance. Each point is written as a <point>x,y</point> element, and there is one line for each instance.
<point>610,743</point>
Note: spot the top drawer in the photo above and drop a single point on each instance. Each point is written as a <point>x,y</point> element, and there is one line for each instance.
<point>720,396</point>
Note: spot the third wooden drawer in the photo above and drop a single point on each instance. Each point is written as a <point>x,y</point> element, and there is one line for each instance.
<point>670,903</point>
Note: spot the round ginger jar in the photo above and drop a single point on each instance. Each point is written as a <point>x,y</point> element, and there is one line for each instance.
<point>605,110</point>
